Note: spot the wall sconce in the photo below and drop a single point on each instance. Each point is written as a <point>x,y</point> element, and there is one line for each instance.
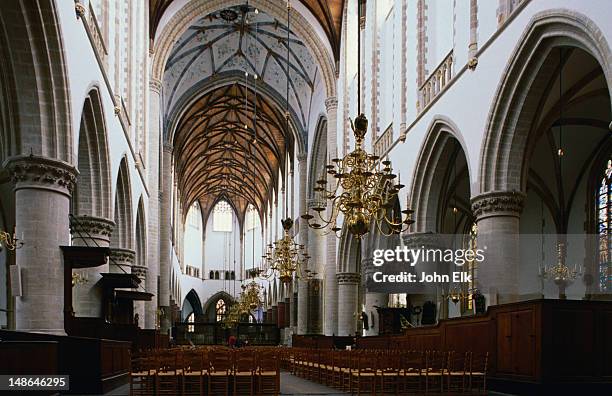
<point>11,242</point>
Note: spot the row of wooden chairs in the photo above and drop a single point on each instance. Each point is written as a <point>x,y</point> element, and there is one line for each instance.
<point>388,372</point>
<point>206,371</point>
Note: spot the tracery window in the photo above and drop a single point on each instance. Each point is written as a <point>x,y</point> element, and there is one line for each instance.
<point>222,217</point>
<point>220,309</point>
<point>190,320</point>
<point>604,226</point>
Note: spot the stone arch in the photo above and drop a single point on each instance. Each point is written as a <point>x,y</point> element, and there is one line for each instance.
<point>122,236</point>
<point>34,82</point>
<point>209,308</point>
<point>92,195</point>
<point>503,155</point>
<point>428,177</point>
<point>194,10</point>
<point>194,300</point>
<point>318,156</point>
<point>141,235</point>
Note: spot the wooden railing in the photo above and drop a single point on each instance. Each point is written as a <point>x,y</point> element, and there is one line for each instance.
<point>436,81</point>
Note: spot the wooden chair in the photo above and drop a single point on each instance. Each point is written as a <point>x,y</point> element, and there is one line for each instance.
<point>340,364</point>
<point>389,372</point>
<point>169,373</point>
<point>412,365</point>
<point>457,373</point>
<point>244,372</point>
<point>195,370</point>
<point>364,373</point>
<point>143,376</point>
<point>219,371</point>
<point>435,368</point>
<point>268,373</point>
<point>478,373</point>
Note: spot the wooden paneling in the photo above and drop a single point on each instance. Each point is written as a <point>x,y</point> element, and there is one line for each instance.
<point>539,344</point>
<point>94,365</point>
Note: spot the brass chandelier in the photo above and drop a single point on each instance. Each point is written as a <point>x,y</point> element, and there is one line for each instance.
<point>365,191</point>
<point>287,257</point>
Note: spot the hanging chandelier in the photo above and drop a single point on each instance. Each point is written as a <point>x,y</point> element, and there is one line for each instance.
<point>365,190</point>
<point>250,297</point>
<point>286,257</point>
<point>560,273</point>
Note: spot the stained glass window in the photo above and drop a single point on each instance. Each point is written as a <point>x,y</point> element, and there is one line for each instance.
<point>604,226</point>
<point>220,310</point>
<point>470,243</point>
<point>252,218</point>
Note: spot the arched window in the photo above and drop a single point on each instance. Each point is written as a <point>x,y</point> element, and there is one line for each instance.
<point>222,217</point>
<point>211,275</point>
<point>190,320</point>
<point>604,226</point>
<point>233,275</point>
<point>252,219</point>
<point>220,310</point>
<point>216,274</point>
<point>227,276</point>
<point>193,216</point>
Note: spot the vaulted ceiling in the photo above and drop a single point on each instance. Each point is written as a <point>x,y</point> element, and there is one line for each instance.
<point>328,13</point>
<point>233,41</point>
<point>217,157</point>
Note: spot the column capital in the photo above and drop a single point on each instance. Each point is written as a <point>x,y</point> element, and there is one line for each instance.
<point>34,172</point>
<point>348,278</point>
<point>91,227</point>
<point>122,258</point>
<point>331,103</point>
<point>498,203</point>
<point>139,271</point>
<point>155,85</point>
<point>415,240</point>
<point>302,157</point>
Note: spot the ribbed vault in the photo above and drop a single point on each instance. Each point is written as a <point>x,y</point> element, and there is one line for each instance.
<point>220,154</point>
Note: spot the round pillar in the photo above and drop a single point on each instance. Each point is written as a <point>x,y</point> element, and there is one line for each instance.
<point>497,217</point>
<point>87,296</point>
<point>42,189</point>
<point>348,291</point>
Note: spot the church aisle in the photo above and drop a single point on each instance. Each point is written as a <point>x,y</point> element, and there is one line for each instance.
<point>292,385</point>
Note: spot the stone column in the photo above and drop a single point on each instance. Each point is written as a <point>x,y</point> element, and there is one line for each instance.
<point>302,303</point>
<point>420,293</point>
<point>165,237</point>
<point>330,306</point>
<point>293,307</point>
<point>153,163</point>
<point>139,306</point>
<point>497,217</point>
<point>373,300</point>
<point>87,297</point>
<point>348,291</point>
<point>42,189</point>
